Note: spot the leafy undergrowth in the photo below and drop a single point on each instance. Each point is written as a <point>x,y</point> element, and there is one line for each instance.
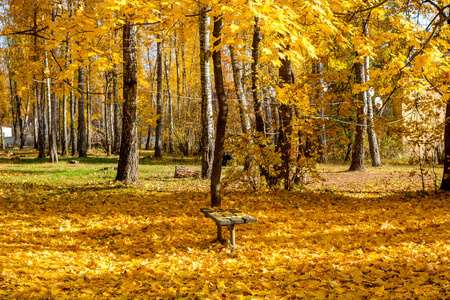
<point>102,240</point>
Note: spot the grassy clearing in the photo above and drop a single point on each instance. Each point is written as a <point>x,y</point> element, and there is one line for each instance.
<point>71,231</point>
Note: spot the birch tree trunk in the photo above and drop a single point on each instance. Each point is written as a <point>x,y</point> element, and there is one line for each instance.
<point>221,117</point>
<point>158,134</point>
<point>117,121</point>
<point>207,108</point>
<point>129,153</point>
<point>169,104</point>
<point>245,120</point>
<point>371,134</point>
<point>237,78</point>
<point>322,129</point>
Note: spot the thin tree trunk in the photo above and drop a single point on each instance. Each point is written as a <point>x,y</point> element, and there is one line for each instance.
<point>41,131</point>
<point>371,134</point>
<point>238,87</point>
<point>169,104</point>
<point>177,65</point>
<point>89,111</point>
<point>322,130</point>
<point>73,134</point>
<point>53,139</point>
<point>207,109</point>
<point>82,142</point>
<point>245,120</point>
<point>129,154</point>
<point>259,115</point>
<point>107,111</point>
<point>48,97</point>
<point>149,134</point>
<point>221,117</point>
<point>117,121</point>
<point>20,121</point>
<point>53,111</point>
<point>445,185</point>
<point>358,154</point>
<point>285,130</point>
<point>35,126</point>
<point>158,134</point>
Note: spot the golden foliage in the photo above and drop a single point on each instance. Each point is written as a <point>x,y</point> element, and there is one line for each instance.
<point>106,241</point>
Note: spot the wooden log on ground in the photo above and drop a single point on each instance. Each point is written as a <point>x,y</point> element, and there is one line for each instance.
<point>183,172</point>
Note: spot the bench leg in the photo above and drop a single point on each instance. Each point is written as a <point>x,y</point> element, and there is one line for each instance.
<point>233,237</point>
<point>219,233</point>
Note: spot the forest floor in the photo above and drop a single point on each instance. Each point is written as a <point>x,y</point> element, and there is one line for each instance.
<point>71,231</point>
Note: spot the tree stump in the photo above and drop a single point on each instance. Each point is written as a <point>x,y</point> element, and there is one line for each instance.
<point>183,172</point>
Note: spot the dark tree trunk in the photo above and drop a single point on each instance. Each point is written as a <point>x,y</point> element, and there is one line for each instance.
<point>257,103</point>
<point>129,153</point>
<point>73,133</point>
<point>207,142</point>
<point>82,142</point>
<point>221,117</point>
<point>360,136</point>
<point>259,119</point>
<point>445,185</point>
<point>149,135</point>
<point>20,121</point>
<point>158,134</point>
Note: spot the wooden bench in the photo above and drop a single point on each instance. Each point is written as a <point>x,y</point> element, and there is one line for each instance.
<point>227,217</point>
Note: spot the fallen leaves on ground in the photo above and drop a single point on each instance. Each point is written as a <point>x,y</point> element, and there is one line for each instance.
<point>109,241</point>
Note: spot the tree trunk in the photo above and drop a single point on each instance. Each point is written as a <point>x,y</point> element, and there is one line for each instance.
<point>82,142</point>
<point>129,154</point>
<point>35,127</point>
<point>20,121</point>
<point>158,134</point>
<point>221,117</point>
<point>371,134</point>
<point>41,130</point>
<point>207,109</point>
<point>89,111</point>
<point>259,115</point>
<point>445,185</point>
<point>117,122</point>
<point>322,130</point>
<point>73,134</point>
<point>360,136</point>
<point>240,94</point>
<point>53,138</point>
<point>106,114</point>
<point>169,104</point>
<point>64,140</point>
<point>238,87</point>
<point>285,129</point>
<point>149,135</point>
